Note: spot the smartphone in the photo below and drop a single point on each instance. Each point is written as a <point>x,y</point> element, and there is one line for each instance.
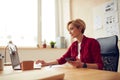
<point>70,59</point>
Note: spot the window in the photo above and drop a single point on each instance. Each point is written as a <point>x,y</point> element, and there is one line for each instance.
<point>30,22</point>
<point>18,22</point>
<point>48,20</point>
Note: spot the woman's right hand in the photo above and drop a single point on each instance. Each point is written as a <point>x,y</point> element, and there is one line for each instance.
<point>42,62</point>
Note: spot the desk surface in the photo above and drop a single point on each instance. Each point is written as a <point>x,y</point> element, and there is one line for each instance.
<point>70,73</point>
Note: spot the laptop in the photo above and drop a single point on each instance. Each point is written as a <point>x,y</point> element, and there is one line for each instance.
<point>15,61</point>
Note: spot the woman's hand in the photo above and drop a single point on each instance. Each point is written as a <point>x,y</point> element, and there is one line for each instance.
<point>77,63</point>
<point>42,62</point>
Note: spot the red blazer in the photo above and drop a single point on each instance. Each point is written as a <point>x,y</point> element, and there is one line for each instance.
<point>89,53</point>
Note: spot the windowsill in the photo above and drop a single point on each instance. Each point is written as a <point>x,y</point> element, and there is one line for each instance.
<point>32,48</point>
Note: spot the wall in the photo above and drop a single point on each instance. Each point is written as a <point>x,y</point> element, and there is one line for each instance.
<point>84,9</point>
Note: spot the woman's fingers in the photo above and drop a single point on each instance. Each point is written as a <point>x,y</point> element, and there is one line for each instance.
<point>40,61</point>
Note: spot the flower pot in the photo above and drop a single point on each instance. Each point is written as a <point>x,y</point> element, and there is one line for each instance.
<point>52,46</point>
<point>44,45</point>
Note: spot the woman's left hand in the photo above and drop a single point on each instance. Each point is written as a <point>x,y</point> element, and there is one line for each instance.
<point>77,63</point>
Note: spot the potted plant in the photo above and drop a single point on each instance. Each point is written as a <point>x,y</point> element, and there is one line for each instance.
<point>52,44</point>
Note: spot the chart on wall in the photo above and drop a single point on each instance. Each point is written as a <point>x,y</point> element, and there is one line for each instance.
<point>111,22</point>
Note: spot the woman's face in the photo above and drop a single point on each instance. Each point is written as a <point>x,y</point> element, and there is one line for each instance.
<point>74,31</point>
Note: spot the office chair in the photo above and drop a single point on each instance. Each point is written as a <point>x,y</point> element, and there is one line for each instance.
<point>109,52</point>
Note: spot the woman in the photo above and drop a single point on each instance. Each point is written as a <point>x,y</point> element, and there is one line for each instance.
<point>85,52</point>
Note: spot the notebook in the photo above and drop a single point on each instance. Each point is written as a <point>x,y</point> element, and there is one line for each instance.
<point>15,61</point>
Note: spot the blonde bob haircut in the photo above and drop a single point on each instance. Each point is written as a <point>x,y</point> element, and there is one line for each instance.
<point>78,23</point>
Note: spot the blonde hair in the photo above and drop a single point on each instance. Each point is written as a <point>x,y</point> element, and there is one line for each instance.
<point>78,23</point>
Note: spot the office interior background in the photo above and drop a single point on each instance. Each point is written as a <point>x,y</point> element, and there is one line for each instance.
<point>29,22</point>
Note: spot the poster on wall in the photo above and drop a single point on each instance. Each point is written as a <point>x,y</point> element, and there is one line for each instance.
<point>97,22</point>
<point>111,18</point>
<point>112,29</point>
<point>110,6</point>
<point>111,21</point>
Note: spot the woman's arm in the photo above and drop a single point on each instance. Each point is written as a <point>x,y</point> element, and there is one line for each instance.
<point>79,64</point>
<point>46,63</point>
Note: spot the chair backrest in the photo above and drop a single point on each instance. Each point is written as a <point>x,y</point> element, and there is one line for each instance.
<point>109,52</point>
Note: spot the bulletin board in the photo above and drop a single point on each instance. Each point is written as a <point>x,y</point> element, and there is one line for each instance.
<point>106,19</point>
